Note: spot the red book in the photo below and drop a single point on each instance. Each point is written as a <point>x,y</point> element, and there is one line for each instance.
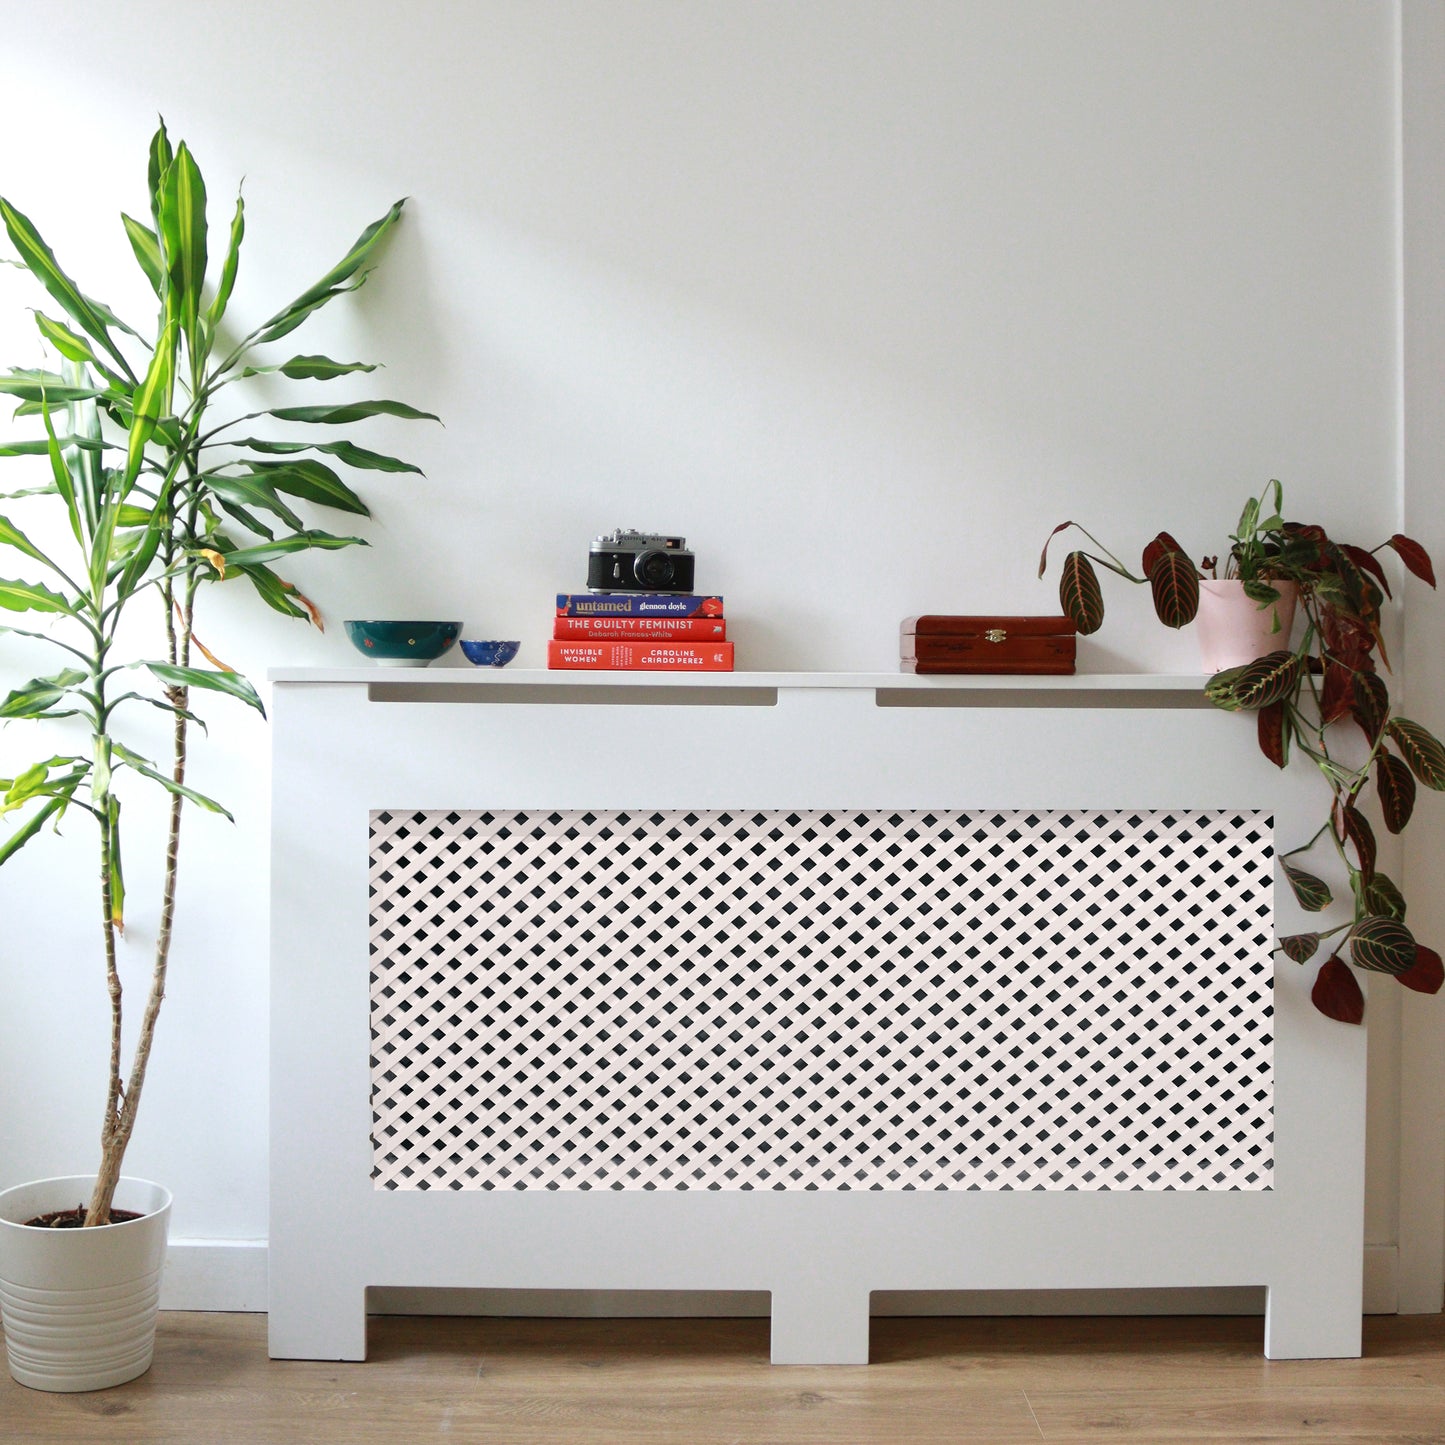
<point>638,629</point>
<point>653,656</point>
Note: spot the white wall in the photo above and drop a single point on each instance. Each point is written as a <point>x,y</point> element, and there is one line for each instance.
<point>861,298</point>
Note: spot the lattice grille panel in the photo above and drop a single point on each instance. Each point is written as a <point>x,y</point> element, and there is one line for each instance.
<point>821,1000</point>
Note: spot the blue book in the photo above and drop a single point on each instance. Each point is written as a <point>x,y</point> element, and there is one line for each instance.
<point>637,604</point>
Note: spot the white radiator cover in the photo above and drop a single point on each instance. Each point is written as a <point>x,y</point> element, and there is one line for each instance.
<point>821,999</point>
<point>1269,1094</point>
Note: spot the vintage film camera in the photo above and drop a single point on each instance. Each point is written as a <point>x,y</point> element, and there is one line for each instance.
<point>631,561</point>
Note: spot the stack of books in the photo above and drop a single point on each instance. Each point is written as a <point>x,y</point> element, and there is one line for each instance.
<point>640,632</point>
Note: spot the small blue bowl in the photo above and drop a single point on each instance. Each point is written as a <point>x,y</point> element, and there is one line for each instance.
<point>490,654</point>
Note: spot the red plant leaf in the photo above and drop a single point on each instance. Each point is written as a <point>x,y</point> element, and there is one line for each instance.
<point>1273,740</point>
<point>1421,749</point>
<point>1337,692</point>
<point>1380,895</point>
<point>1363,596</point>
<point>1348,640</point>
<point>1079,593</point>
<point>1157,548</point>
<point>1395,784</point>
<point>1300,946</point>
<point>1382,944</point>
<point>1267,679</point>
<point>1370,703</point>
<point>1044,555</point>
<point>1175,585</point>
<point>1426,974</point>
<point>1357,830</point>
<point>1336,993</point>
<point>1367,562</point>
<point>1313,894</point>
<point>1414,556</point>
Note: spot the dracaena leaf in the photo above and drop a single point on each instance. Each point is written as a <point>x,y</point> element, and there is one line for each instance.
<point>311,368</point>
<point>64,340</point>
<point>158,164</point>
<point>1313,894</point>
<point>40,261</point>
<point>151,400</point>
<point>347,452</point>
<point>1395,784</point>
<point>40,695</point>
<point>116,880</point>
<point>1337,994</point>
<point>1175,587</point>
<point>344,412</point>
<point>1421,750</point>
<point>315,482</point>
<point>183,238</point>
<point>1079,593</point>
<point>10,846</point>
<point>245,557</point>
<point>1382,944</point>
<point>228,267</point>
<point>144,553</point>
<point>145,769</point>
<point>249,520</point>
<point>1414,556</point>
<point>250,489</point>
<point>274,591</point>
<point>147,248</point>
<point>228,682</point>
<point>1427,972</point>
<point>39,448</point>
<point>33,389</point>
<point>333,282</point>
<point>12,536</point>
<point>31,597</point>
<point>43,779</point>
<point>1300,946</point>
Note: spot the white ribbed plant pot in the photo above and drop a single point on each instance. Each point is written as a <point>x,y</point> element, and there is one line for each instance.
<point>79,1305</point>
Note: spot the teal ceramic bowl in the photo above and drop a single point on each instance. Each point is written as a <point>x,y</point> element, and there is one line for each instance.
<point>403,644</point>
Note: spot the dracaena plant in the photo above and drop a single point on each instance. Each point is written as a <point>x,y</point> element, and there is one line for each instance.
<point>153,490</point>
<point>1323,699</point>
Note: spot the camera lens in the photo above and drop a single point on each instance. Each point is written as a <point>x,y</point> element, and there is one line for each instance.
<point>654,569</point>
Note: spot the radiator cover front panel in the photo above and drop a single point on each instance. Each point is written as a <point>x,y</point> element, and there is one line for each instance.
<point>821,1000</point>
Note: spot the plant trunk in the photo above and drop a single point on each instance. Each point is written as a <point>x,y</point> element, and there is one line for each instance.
<point>123,1102</point>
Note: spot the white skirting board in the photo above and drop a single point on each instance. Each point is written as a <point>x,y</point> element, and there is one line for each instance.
<point>230,1276</point>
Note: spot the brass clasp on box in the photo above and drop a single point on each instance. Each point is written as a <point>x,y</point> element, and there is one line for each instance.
<point>995,634</point>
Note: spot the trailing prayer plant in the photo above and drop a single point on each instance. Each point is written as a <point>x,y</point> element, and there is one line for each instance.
<point>1323,699</point>
<point>156,490</point>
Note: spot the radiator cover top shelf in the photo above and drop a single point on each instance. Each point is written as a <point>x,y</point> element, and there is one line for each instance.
<point>821,1000</point>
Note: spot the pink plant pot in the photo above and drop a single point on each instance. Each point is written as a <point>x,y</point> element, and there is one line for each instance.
<point>1234,629</point>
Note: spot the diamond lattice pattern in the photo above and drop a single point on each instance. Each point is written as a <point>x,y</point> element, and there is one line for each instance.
<point>821,1000</point>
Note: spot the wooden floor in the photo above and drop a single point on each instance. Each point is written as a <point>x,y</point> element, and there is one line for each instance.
<point>708,1382</point>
